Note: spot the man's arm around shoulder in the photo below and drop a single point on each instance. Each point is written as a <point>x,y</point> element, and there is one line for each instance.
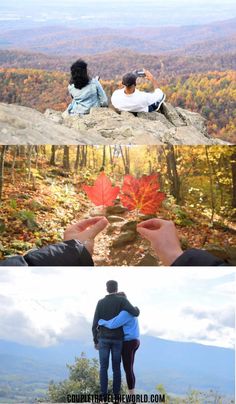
<point>126,305</point>
<point>95,325</point>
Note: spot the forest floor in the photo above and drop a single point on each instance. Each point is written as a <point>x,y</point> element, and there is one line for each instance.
<point>34,214</point>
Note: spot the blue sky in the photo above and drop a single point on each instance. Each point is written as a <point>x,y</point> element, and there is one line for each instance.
<point>42,307</point>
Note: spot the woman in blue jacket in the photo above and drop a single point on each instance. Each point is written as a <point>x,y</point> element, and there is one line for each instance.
<point>86,93</point>
<point>130,344</point>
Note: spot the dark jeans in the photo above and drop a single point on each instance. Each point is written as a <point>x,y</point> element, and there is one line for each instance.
<point>107,346</point>
<point>128,353</point>
<point>156,105</point>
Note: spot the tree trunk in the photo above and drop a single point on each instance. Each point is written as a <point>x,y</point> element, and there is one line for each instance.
<point>233,167</point>
<point>125,159</point>
<point>127,156</point>
<point>29,154</point>
<point>66,158</point>
<point>94,158</point>
<point>36,156</point>
<point>83,161</point>
<point>161,165</point>
<point>104,157</point>
<point>53,155</point>
<point>77,160</point>
<point>111,156</point>
<point>2,159</point>
<point>211,184</point>
<point>173,173</point>
<point>13,164</point>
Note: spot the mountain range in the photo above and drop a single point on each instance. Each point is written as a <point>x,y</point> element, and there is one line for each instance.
<point>166,51</point>
<point>179,366</point>
<point>64,40</point>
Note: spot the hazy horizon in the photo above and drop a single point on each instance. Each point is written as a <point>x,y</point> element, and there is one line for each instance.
<point>113,14</point>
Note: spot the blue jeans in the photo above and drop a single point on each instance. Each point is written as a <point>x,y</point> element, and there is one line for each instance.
<point>107,346</point>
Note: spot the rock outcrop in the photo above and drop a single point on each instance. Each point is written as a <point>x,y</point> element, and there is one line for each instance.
<point>22,125</point>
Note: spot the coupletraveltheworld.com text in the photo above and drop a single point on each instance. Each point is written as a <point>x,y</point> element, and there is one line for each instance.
<point>121,398</point>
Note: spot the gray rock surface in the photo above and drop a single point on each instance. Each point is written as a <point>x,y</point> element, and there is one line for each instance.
<point>131,225</point>
<point>22,125</point>
<point>148,261</point>
<point>115,210</point>
<point>114,219</point>
<point>124,238</point>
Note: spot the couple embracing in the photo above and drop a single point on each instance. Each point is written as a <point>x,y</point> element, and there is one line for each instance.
<point>116,333</point>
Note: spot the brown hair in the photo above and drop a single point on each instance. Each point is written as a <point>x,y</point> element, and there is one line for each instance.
<point>112,286</point>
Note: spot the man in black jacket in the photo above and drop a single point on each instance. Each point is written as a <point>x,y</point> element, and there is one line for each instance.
<point>109,341</point>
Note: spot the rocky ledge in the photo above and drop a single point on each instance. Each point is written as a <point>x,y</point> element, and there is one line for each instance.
<point>22,125</point>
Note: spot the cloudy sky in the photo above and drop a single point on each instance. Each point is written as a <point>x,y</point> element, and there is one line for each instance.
<point>45,306</point>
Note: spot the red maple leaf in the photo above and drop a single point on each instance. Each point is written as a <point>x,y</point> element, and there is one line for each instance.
<point>102,193</point>
<point>142,193</point>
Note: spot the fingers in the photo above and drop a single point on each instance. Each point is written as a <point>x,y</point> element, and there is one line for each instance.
<point>84,224</point>
<point>148,74</point>
<point>145,232</point>
<point>149,228</point>
<point>152,224</point>
<point>98,227</point>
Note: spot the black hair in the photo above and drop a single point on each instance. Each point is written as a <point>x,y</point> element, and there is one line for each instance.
<point>122,294</point>
<point>112,286</point>
<point>129,80</point>
<point>79,74</point>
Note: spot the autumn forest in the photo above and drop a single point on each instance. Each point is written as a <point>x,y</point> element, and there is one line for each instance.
<point>45,188</point>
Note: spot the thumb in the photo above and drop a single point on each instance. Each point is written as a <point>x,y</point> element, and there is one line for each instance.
<point>148,234</point>
<point>97,227</point>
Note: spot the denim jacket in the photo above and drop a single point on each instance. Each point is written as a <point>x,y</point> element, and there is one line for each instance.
<point>86,98</point>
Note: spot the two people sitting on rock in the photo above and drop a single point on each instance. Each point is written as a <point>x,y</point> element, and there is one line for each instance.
<point>88,93</point>
<point>130,99</point>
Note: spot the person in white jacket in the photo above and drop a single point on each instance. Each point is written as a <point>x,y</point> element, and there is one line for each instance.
<point>130,99</point>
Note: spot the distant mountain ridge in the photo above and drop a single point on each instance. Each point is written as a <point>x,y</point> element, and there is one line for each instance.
<point>177,365</point>
<point>197,58</point>
<point>114,64</point>
<point>71,41</point>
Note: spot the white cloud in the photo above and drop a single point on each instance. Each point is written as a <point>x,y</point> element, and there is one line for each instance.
<point>43,306</point>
